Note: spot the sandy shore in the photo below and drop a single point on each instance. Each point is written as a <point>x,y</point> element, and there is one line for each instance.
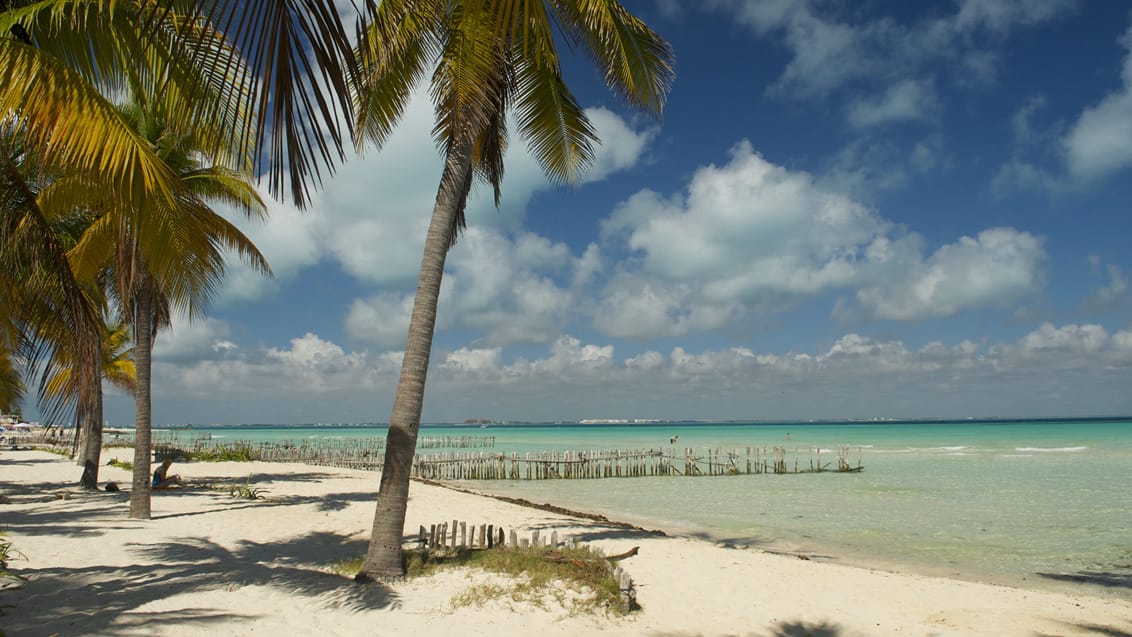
<point>210,564</point>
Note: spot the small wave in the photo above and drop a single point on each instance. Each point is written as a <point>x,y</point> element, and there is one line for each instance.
<point>1050,449</point>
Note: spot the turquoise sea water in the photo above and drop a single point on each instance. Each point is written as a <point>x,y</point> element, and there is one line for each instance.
<point>1043,504</point>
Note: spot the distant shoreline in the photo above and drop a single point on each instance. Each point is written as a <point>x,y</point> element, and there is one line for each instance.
<point>669,423</point>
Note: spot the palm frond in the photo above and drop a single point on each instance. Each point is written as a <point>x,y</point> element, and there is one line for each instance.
<point>463,84</point>
<point>393,54</point>
<point>300,65</point>
<point>638,63</point>
<point>74,128</point>
<point>558,133</point>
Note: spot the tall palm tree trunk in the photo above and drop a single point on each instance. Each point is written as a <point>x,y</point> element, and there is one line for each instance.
<point>143,406</point>
<point>88,415</point>
<point>383,558</point>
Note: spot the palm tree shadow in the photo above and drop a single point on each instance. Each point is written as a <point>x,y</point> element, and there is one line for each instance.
<point>221,502</point>
<point>806,629</point>
<point>98,599</point>
<point>1108,579</point>
<point>1098,629</point>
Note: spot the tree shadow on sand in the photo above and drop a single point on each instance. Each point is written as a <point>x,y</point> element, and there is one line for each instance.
<point>224,502</point>
<point>100,599</point>
<point>786,629</point>
<point>1097,629</point>
<point>806,629</point>
<point>257,477</point>
<point>27,462</point>
<point>71,518</point>
<point>1096,578</point>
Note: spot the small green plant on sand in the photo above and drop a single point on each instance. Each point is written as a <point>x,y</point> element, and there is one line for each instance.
<point>582,576</point>
<point>246,491</point>
<point>121,464</point>
<point>7,554</point>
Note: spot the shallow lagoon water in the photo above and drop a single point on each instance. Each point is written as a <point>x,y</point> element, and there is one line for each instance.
<point>1041,503</point>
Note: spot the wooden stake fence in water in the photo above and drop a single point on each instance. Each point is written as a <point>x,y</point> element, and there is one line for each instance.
<point>369,454</point>
<point>620,463</point>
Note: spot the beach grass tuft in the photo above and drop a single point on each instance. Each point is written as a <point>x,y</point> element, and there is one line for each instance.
<point>7,554</point>
<point>121,464</point>
<point>246,491</point>
<point>578,579</point>
<point>236,490</point>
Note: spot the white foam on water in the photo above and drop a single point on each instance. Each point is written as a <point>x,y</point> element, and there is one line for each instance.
<point>1050,449</point>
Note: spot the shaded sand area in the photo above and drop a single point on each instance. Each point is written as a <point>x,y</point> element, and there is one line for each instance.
<point>211,564</point>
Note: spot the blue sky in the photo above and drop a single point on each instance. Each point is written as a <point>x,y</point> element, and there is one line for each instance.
<point>850,210</point>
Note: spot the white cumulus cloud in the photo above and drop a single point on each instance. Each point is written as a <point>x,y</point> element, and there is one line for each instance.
<point>751,236</point>
<point>998,267</point>
<point>1099,143</point>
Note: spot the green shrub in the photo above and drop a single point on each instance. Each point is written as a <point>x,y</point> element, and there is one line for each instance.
<point>236,452</point>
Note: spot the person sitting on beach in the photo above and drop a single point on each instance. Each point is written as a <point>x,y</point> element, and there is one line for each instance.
<point>162,479</point>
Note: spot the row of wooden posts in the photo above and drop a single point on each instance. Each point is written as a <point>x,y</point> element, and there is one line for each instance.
<point>463,535</point>
<point>633,463</point>
<point>203,440</point>
<point>360,453</point>
<point>365,454</point>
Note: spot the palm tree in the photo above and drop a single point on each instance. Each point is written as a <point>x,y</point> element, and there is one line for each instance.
<point>488,57</point>
<point>50,309</point>
<point>271,73</point>
<point>117,366</point>
<point>150,287</point>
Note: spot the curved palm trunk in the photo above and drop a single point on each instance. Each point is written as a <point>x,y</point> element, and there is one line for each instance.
<point>89,417</point>
<point>383,559</point>
<point>143,406</point>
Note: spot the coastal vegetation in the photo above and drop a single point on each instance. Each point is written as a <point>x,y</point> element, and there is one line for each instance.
<point>167,109</point>
<point>574,578</point>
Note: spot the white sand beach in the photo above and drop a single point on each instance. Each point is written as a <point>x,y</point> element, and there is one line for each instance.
<point>211,564</point>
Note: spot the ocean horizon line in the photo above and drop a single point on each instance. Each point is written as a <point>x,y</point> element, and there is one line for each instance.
<point>603,422</point>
